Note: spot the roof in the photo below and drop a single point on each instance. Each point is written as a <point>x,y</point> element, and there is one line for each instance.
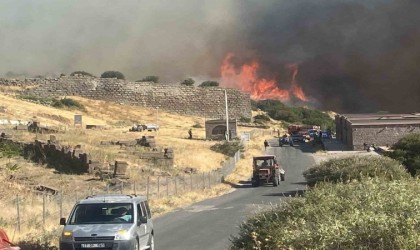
<point>264,156</point>
<point>382,119</point>
<point>112,198</point>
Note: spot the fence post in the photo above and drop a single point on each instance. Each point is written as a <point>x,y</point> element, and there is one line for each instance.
<point>158,186</point>
<point>107,188</point>
<point>191,183</point>
<point>176,188</point>
<point>43,211</point>
<point>147,187</point>
<point>135,189</point>
<point>122,187</point>
<point>209,179</point>
<point>61,204</point>
<point>204,183</point>
<point>18,212</point>
<point>167,187</point>
<point>185,184</point>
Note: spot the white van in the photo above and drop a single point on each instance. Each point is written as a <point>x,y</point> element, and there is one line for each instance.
<point>114,222</point>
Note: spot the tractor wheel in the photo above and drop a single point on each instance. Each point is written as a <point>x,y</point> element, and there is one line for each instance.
<point>255,182</point>
<point>276,181</point>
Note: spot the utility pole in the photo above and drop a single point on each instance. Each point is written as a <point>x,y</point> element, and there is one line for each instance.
<point>227,117</point>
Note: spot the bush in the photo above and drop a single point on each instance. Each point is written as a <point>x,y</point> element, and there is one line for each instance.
<point>209,84</point>
<point>10,149</point>
<point>113,74</point>
<point>407,151</point>
<point>154,79</point>
<point>278,111</point>
<point>245,119</point>
<point>197,125</point>
<point>41,100</point>
<point>68,103</point>
<point>360,215</point>
<point>83,73</point>
<point>188,82</point>
<point>355,168</point>
<point>227,148</point>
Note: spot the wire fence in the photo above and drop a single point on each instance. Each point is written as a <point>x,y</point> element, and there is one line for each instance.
<point>35,211</point>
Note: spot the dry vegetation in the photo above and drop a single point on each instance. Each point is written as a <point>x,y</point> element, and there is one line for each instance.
<point>117,119</point>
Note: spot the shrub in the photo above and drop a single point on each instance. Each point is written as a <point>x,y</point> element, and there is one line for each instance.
<point>355,168</point>
<point>188,82</point>
<point>36,99</point>
<point>209,84</point>
<point>154,79</point>
<point>113,74</point>
<point>371,214</point>
<point>406,150</point>
<point>227,148</point>
<point>68,103</point>
<point>245,119</point>
<point>10,149</point>
<point>83,73</point>
<point>278,111</point>
<point>197,125</point>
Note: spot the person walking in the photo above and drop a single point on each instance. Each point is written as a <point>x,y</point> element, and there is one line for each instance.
<point>265,144</point>
<point>190,134</point>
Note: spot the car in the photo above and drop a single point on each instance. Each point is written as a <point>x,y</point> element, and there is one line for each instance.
<point>109,222</point>
<point>5,243</point>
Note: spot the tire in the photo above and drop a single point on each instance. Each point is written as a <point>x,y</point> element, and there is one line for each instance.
<point>255,182</point>
<point>151,243</point>
<point>276,181</point>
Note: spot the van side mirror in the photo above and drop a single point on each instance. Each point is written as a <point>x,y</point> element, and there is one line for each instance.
<point>142,220</point>
<point>63,221</point>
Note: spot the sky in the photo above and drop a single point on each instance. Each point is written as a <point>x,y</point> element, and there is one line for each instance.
<point>353,55</point>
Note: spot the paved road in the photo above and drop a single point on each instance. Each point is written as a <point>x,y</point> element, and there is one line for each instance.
<point>209,224</point>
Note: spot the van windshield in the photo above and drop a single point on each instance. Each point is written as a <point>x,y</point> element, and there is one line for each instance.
<point>102,213</point>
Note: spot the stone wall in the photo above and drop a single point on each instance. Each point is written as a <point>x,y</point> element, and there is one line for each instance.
<point>381,135</point>
<point>187,100</point>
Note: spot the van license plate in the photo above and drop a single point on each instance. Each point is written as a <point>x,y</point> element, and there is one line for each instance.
<point>93,245</point>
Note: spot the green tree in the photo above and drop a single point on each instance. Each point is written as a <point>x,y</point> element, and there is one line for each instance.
<point>113,74</point>
<point>406,150</point>
<point>83,73</point>
<point>209,84</point>
<point>188,82</point>
<point>154,79</point>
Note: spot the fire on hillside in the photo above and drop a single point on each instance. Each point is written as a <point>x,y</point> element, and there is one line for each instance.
<point>246,79</point>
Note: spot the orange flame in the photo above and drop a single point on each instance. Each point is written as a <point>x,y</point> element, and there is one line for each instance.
<point>246,79</point>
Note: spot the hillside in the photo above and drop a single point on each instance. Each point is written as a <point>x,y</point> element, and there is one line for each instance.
<point>116,120</point>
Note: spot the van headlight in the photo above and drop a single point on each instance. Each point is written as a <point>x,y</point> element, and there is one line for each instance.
<point>67,236</point>
<point>122,235</point>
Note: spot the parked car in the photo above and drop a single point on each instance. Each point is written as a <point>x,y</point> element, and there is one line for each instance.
<point>120,222</point>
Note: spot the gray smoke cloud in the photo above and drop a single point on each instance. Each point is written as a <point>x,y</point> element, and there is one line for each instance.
<point>354,55</point>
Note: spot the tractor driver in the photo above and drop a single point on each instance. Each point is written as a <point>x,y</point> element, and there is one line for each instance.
<point>264,164</point>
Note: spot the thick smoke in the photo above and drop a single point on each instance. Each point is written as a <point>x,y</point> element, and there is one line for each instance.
<point>354,55</point>
<point>171,39</point>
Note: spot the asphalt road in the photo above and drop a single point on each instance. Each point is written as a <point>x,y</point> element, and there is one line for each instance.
<point>210,224</point>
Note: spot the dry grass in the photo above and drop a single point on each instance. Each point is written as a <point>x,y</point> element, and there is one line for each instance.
<point>117,118</point>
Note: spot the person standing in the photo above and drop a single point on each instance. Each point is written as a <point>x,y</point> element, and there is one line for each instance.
<point>265,144</point>
<point>190,134</point>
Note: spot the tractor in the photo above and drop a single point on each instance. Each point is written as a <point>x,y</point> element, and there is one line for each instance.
<point>266,170</point>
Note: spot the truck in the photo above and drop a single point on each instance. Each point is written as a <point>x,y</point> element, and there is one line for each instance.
<point>144,127</point>
<point>266,170</point>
